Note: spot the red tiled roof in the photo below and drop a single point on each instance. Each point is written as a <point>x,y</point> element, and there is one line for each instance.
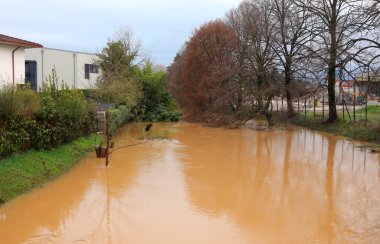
<point>17,42</point>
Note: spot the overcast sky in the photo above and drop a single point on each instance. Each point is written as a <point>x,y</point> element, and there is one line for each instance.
<point>84,25</point>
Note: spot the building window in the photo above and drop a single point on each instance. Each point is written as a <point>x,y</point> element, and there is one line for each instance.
<point>90,68</point>
<point>94,68</point>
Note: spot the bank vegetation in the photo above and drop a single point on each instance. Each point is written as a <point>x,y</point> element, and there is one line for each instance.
<point>234,68</point>
<point>43,133</point>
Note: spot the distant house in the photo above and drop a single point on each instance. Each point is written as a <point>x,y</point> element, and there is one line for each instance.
<point>370,81</point>
<point>346,86</point>
<point>76,69</point>
<point>347,90</point>
<point>12,59</point>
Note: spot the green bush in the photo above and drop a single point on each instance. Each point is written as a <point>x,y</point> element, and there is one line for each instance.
<point>17,134</point>
<point>162,113</point>
<point>117,117</point>
<point>22,102</point>
<point>45,120</point>
<point>64,114</point>
<point>156,104</point>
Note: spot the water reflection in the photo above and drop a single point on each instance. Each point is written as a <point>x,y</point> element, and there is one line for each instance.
<point>208,185</point>
<point>285,186</point>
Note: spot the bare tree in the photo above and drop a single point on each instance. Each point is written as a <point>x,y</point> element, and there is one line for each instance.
<point>117,61</point>
<point>255,56</point>
<point>292,24</point>
<point>338,22</point>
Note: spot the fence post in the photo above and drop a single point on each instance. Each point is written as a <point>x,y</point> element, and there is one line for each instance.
<point>282,103</point>
<point>298,101</point>
<point>344,104</point>
<point>323,105</point>
<point>354,103</point>
<point>277,104</point>
<point>305,106</point>
<point>366,106</point>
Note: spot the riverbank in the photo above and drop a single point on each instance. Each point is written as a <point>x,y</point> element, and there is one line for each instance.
<point>360,130</point>
<point>20,173</point>
<point>357,131</point>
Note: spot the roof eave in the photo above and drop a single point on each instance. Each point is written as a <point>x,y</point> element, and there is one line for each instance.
<point>20,44</point>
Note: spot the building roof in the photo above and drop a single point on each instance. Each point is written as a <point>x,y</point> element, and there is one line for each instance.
<point>17,42</point>
<point>68,51</point>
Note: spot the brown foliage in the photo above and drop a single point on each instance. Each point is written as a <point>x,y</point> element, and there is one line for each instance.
<point>200,76</point>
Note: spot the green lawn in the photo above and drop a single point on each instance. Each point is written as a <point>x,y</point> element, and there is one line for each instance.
<point>22,172</point>
<point>361,130</point>
<point>373,115</point>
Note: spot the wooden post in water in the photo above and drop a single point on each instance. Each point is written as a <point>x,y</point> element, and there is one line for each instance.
<point>108,143</point>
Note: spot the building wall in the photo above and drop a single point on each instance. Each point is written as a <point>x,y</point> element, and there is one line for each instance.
<point>83,59</point>
<point>6,76</point>
<point>70,66</point>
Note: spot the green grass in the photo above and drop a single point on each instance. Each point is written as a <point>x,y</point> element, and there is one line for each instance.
<point>358,131</point>
<point>373,114</point>
<point>22,172</point>
<point>372,109</point>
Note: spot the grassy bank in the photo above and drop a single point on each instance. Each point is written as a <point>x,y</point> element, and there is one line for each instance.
<point>22,172</point>
<point>358,131</point>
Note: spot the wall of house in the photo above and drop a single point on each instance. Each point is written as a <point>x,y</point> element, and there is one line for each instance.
<point>82,59</point>
<point>6,76</point>
<point>70,66</point>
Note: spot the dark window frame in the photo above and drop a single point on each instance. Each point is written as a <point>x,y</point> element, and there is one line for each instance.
<point>90,68</point>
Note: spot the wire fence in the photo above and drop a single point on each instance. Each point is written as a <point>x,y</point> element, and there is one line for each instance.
<point>367,111</point>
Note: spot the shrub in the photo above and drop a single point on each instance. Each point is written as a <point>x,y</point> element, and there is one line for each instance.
<point>156,104</point>
<point>16,135</point>
<point>21,102</point>
<point>117,117</point>
<point>41,121</point>
<point>64,114</point>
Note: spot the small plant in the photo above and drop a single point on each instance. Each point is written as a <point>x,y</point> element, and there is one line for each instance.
<point>20,102</point>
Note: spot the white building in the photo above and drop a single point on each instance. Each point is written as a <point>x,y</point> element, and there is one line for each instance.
<point>76,69</point>
<point>12,59</point>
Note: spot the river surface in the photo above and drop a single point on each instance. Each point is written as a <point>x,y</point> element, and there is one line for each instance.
<point>207,185</point>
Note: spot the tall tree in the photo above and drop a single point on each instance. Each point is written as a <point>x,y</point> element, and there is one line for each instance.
<point>205,69</point>
<point>117,61</point>
<point>338,22</point>
<point>292,24</point>
<point>255,56</point>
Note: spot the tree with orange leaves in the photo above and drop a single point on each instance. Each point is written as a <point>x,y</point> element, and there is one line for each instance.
<point>201,77</point>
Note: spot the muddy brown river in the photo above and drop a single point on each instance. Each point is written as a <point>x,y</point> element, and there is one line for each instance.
<point>208,185</point>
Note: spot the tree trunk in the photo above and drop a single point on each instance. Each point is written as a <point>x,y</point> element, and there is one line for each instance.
<point>240,99</point>
<point>269,118</point>
<point>268,112</point>
<point>331,73</point>
<point>331,93</point>
<point>289,97</point>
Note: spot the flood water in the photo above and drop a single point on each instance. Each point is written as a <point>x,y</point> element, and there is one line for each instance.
<point>208,185</point>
